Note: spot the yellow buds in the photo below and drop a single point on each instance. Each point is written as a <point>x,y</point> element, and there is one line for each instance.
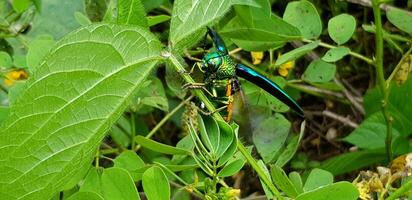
<point>257,57</point>
<point>14,76</point>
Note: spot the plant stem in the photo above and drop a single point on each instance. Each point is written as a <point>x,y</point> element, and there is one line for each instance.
<point>179,68</point>
<point>133,129</point>
<point>258,170</point>
<point>354,54</point>
<point>381,76</point>
<point>401,191</point>
<point>164,120</point>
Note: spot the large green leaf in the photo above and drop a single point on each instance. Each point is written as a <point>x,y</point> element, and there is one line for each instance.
<point>131,12</point>
<point>304,16</point>
<point>67,106</point>
<point>131,162</point>
<point>117,184</point>
<point>256,28</point>
<point>189,17</point>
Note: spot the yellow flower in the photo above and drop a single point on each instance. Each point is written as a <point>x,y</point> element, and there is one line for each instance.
<point>284,69</point>
<point>233,193</point>
<point>257,57</point>
<point>15,75</point>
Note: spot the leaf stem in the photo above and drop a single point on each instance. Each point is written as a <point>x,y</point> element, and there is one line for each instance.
<point>381,76</point>
<point>133,129</point>
<point>354,54</point>
<point>179,68</point>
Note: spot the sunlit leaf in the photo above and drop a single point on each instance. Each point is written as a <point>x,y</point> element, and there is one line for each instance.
<point>117,184</point>
<point>341,28</point>
<point>335,54</point>
<point>74,96</point>
<point>296,53</point>
<point>85,196</point>
<point>155,184</point>
<point>131,12</point>
<point>319,71</point>
<point>282,181</point>
<point>304,16</point>
<point>317,178</point>
<point>401,19</point>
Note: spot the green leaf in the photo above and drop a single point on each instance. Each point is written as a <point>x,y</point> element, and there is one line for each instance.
<point>291,148</point>
<point>159,147</point>
<point>38,49</point>
<point>117,184</point>
<point>85,196</point>
<point>282,181</point>
<point>401,19</point>
<point>211,134</point>
<point>4,113</point>
<point>228,153</point>
<point>131,162</point>
<point>20,5</point>
<point>336,191</point>
<point>341,28</point>
<point>92,182</point>
<point>5,60</point>
<point>155,184</point>
<point>190,17</point>
<point>225,137</point>
<point>131,12</point>
<point>304,16</point>
<point>297,181</point>
<point>296,53</point>
<point>371,133</point>
<point>335,54</point>
<point>185,143</point>
<point>317,178</point>
<point>56,19</point>
<point>256,28</point>
<point>270,136</point>
<point>120,132</point>
<point>398,104</point>
<point>232,168</point>
<point>152,95</point>
<point>348,162</point>
<point>93,76</point>
<point>152,4</point>
<point>158,19</point>
<point>82,19</point>
<point>319,71</point>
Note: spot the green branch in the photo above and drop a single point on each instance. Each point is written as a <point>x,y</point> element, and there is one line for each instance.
<point>354,54</point>
<point>381,76</point>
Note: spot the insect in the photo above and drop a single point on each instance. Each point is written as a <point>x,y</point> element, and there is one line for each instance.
<point>221,79</point>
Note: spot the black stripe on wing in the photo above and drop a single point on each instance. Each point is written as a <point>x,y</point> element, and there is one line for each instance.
<point>269,86</point>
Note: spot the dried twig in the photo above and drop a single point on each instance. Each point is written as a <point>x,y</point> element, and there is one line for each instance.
<point>340,118</point>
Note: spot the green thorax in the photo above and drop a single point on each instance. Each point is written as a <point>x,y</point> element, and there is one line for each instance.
<point>218,65</point>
